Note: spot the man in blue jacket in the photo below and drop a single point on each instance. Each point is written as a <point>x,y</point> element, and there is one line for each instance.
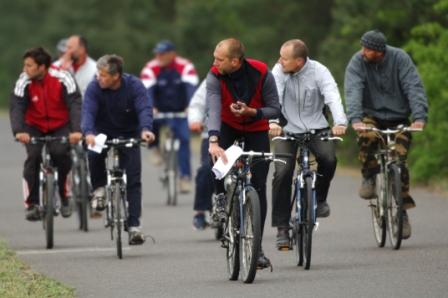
<point>117,105</point>
<point>383,89</point>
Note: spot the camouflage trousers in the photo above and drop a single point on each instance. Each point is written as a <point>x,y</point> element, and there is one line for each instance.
<point>368,145</point>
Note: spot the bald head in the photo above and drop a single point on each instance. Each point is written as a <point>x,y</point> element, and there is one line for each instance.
<point>298,48</point>
<point>77,46</point>
<point>233,48</point>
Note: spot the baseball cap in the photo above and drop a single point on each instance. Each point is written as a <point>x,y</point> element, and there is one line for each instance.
<point>164,46</point>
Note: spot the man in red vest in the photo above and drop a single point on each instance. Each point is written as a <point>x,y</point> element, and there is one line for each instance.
<point>242,95</point>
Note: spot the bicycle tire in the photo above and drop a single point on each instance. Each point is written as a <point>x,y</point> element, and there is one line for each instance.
<point>297,228</point>
<point>395,207</point>
<point>308,226</point>
<point>117,219</point>
<point>172,178</point>
<point>378,212</point>
<point>48,202</point>
<point>83,206</point>
<point>232,247</point>
<point>250,236</point>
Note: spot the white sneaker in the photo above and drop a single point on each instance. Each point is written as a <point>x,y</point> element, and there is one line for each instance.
<point>136,236</point>
<point>99,199</point>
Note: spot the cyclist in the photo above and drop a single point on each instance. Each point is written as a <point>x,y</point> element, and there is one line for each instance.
<point>117,105</point>
<point>242,95</point>
<point>382,89</point>
<point>76,60</point>
<point>45,101</point>
<point>197,113</point>
<point>306,87</point>
<point>171,81</point>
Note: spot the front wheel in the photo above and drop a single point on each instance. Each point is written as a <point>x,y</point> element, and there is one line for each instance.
<point>232,242</point>
<point>308,222</point>
<point>250,236</point>
<point>48,188</point>
<point>378,212</point>
<point>395,207</point>
<point>83,200</point>
<point>117,219</point>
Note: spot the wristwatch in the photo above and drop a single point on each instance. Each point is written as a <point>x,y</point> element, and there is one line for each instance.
<point>213,139</point>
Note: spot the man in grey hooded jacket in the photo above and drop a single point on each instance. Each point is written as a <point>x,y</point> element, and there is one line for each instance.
<point>305,87</point>
<point>383,89</point>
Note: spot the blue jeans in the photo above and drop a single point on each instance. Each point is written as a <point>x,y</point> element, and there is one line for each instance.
<point>180,129</point>
<point>204,181</point>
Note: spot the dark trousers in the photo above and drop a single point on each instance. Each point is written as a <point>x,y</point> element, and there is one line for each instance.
<point>256,141</point>
<point>60,156</point>
<point>130,160</point>
<point>284,175</point>
<point>204,181</point>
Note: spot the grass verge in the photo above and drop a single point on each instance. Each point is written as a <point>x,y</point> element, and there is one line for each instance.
<point>17,279</point>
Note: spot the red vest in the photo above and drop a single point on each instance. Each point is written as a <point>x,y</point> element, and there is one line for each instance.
<point>47,110</point>
<point>256,102</point>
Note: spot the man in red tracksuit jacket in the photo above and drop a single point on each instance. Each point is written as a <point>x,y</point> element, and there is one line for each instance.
<point>45,101</point>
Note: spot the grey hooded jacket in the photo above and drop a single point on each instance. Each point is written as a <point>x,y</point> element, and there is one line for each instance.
<point>304,94</point>
<point>391,90</point>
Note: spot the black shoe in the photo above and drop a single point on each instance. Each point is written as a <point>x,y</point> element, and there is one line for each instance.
<point>32,213</point>
<point>136,237</point>
<point>66,208</point>
<point>323,209</point>
<point>263,262</point>
<point>283,241</point>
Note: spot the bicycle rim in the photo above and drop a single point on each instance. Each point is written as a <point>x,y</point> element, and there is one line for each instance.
<point>84,196</point>
<point>395,207</point>
<point>250,238</point>
<point>378,213</point>
<point>232,251</point>
<point>49,210</point>
<point>297,228</point>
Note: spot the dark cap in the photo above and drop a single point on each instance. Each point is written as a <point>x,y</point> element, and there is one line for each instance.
<point>164,46</point>
<point>374,40</point>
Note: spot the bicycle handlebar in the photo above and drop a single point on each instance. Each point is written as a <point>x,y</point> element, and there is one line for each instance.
<point>390,131</point>
<point>46,139</point>
<point>128,143</point>
<point>296,138</point>
<point>170,115</point>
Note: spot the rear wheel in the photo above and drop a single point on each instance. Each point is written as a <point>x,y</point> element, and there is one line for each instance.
<point>395,207</point>
<point>250,236</point>
<point>232,241</point>
<point>48,202</point>
<point>83,206</point>
<point>378,212</point>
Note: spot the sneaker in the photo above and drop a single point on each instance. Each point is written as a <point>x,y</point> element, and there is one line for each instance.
<point>323,209</point>
<point>32,213</point>
<point>184,185</point>
<point>99,199</point>
<point>283,241</point>
<point>408,202</point>
<point>219,208</point>
<point>156,157</point>
<point>199,222</point>
<point>66,207</point>
<point>406,226</point>
<point>263,262</point>
<point>367,190</point>
<point>136,237</point>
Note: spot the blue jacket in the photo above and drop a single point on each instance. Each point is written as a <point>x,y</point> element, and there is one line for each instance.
<point>124,112</point>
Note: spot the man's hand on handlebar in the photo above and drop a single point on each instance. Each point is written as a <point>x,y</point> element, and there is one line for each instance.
<point>359,126</point>
<point>217,152</point>
<point>338,130</point>
<point>23,137</point>
<point>275,130</point>
<point>417,125</point>
<point>148,136</point>
<point>74,137</point>
<point>90,140</point>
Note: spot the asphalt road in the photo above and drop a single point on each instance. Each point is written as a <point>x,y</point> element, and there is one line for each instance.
<point>188,263</point>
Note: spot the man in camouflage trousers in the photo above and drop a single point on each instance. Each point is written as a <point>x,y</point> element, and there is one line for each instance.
<point>383,90</point>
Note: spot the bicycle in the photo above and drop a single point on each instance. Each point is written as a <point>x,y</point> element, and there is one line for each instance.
<point>81,186</point>
<point>116,198</point>
<point>303,222</point>
<point>48,183</point>
<point>242,227</point>
<point>387,206</point>
<point>170,149</point>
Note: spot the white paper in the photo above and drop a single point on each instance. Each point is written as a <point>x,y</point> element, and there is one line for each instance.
<point>100,140</point>
<point>220,169</point>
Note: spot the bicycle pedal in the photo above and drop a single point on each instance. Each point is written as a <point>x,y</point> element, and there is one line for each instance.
<point>316,226</point>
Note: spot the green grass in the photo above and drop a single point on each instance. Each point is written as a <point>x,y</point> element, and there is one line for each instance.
<point>17,279</point>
